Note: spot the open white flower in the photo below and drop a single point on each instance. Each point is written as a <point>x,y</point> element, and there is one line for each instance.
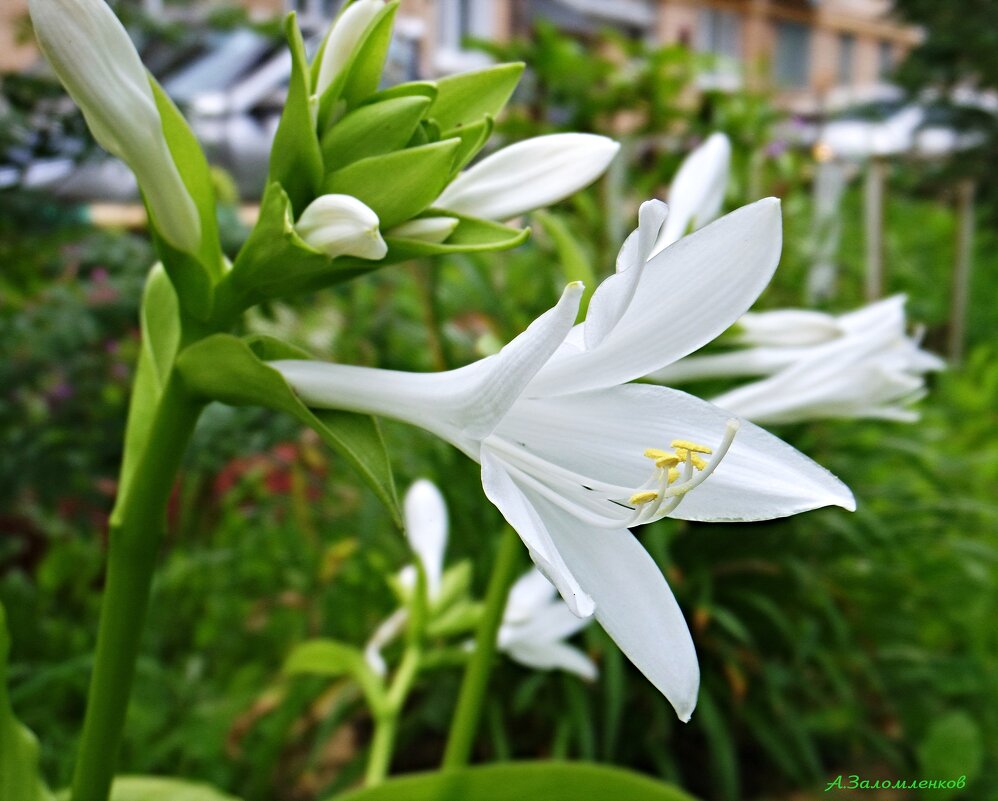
<point>341,225</point>
<point>572,455</point>
<point>90,51</point>
<point>535,624</point>
<point>528,175</point>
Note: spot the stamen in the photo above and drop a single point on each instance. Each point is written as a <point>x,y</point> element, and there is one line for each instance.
<point>655,453</point>
<point>639,498</point>
<point>686,445</point>
<point>669,460</point>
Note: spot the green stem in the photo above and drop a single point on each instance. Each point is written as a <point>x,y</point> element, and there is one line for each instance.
<point>386,719</point>
<point>476,675</point>
<point>132,550</point>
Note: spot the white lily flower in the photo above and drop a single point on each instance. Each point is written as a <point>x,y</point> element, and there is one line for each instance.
<point>573,456</point>
<point>95,60</point>
<point>528,175</point>
<point>534,624</point>
<point>697,191</point>
<point>873,370</point>
<point>341,225</point>
<point>342,39</point>
<point>425,517</point>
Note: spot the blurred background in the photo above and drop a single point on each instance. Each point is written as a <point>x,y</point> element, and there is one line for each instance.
<point>830,643</point>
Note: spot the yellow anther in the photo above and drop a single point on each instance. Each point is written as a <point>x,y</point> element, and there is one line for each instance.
<point>655,453</point>
<point>685,444</point>
<point>673,475</point>
<point>668,460</point>
<point>639,498</point>
<point>698,463</point>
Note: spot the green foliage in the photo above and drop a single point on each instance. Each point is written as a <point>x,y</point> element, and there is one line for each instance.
<point>464,98</point>
<point>557,781</point>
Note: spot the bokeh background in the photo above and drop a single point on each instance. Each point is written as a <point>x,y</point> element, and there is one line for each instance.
<point>829,643</point>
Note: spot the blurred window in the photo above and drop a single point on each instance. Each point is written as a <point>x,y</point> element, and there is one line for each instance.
<point>719,32</point>
<point>847,54</point>
<point>885,58</point>
<point>458,20</point>
<point>792,61</point>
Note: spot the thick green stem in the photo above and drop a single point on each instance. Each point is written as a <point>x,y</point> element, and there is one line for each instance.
<point>476,675</point>
<point>132,550</point>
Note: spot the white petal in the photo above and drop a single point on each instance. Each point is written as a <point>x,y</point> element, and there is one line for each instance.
<point>697,191</point>
<point>426,229</point>
<point>342,39</point>
<point>528,175</point>
<point>426,528</point>
<point>553,656</point>
<point>603,435</point>
<point>386,631</point>
<point>633,603</point>
<point>687,295</point>
<point>733,364</point>
<point>341,225</point>
<point>614,295</point>
<point>530,592</point>
<point>461,406</point>
<point>522,516</point>
<point>96,61</point>
<point>554,621</point>
<point>783,327</point>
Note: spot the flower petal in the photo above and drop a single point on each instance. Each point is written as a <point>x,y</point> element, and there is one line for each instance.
<point>553,621</point>
<point>529,593</point>
<point>603,435</point>
<point>342,39</point>
<point>426,529</point>
<point>528,175</point>
<point>553,656</point>
<point>697,191</point>
<point>686,296</point>
<point>521,515</point>
<point>633,603</point>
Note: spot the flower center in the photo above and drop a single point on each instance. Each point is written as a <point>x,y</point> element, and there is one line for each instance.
<point>675,473</point>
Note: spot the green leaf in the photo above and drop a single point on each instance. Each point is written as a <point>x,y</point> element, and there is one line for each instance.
<point>426,89</point>
<point>473,138</point>
<point>159,788</point>
<point>295,157</point>
<point>471,235</point>
<point>459,618</point>
<point>193,276</point>
<point>398,185</point>
<point>465,98</point>
<point>455,585</point>
<point>951,748</point>
<point>364,71</point>
<point>372,130</point>
<point>550,781</point>
<point>159,320</point>
<point>19,777</point>
<point>332,659</point>
<point>227,369</point>
<point>571,257</point>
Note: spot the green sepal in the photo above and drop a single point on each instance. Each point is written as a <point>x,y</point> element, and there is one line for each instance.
<point>372,130</point>
<point>160,788</point>
<point>460,618</point>
<point>426,89</point>
<point>19,776</point>
<point>455,585</point>
<point>552,781</point>
<point>333,659</point>
<point>471,235</point>
<point>399,185</point>
<point>159,322</point>
<point>473,138</point>
<point>295,157</point>
<point>234,371</point>
<point>571,257</point>
<point>194,275</point>
<point>368,62</point>
<point>464,98</point>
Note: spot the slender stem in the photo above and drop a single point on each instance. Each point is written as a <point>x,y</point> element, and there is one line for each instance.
<point>132,550</point>
<point>476,675</point>
<point>386,719</point>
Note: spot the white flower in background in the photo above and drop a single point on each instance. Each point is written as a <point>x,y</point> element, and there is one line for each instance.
<point>340,225</point>
<point>425,516</point>
<point>342,39</point>
<point>572,455</point>
<point>873,370</point>
<point>535,624</point>
<point>697,191</point>
<point>95,60</point>
<point>528,175</point>
<point>859,364</point>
